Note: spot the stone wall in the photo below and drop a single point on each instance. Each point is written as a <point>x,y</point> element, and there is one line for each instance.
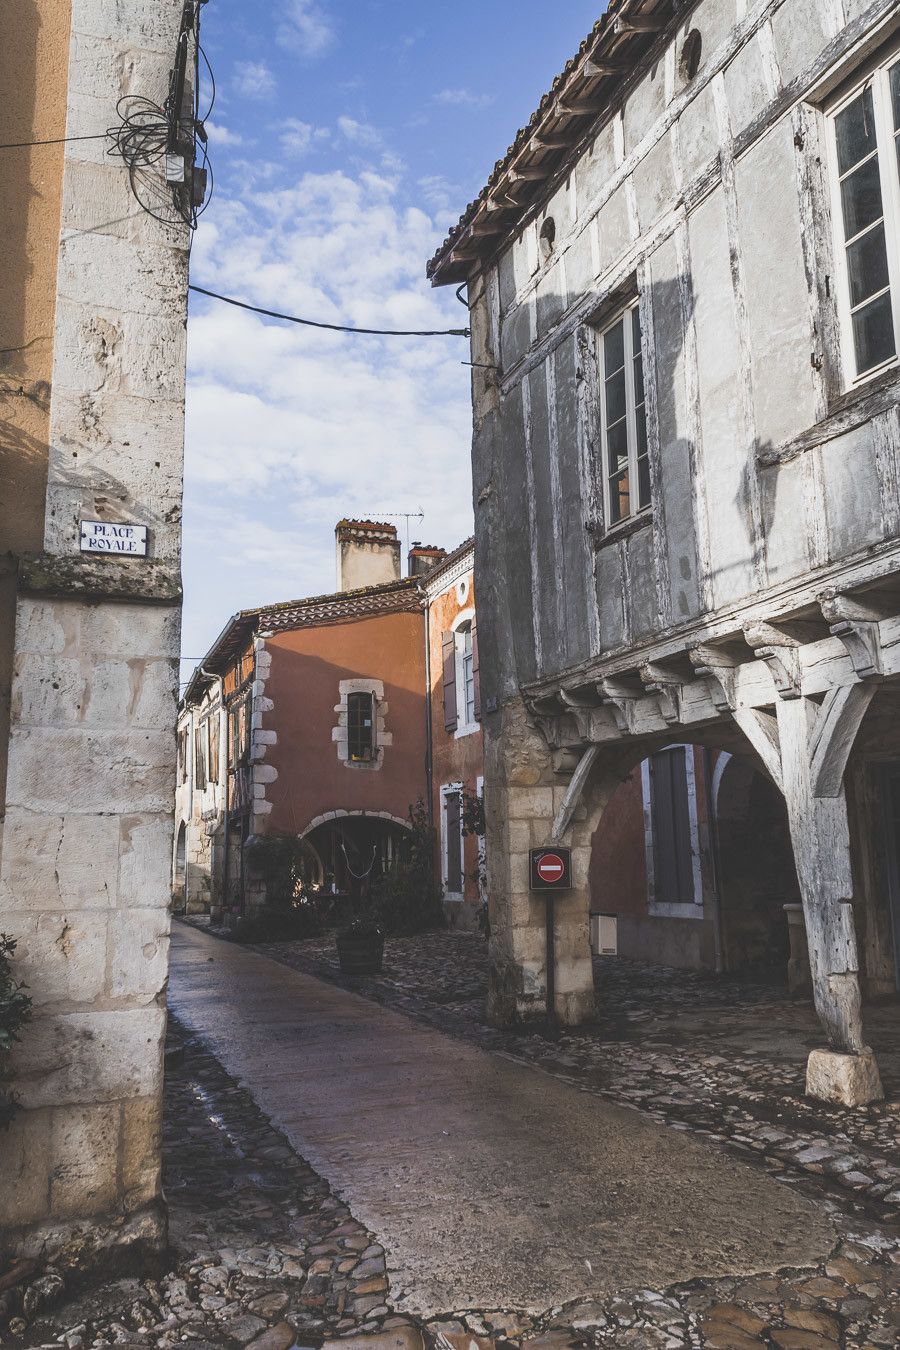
<point>85,871</point>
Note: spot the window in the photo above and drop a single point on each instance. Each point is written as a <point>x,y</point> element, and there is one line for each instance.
<point>360,728</point>
<point>238,734</point>
<point>182,754</point>
<point>200,755</point>
<point>213,747</point>
<point>466,659</point>
<point>462,704</point>
<point>626,464</point>
<point>453,839</point>
<point>865,153</point>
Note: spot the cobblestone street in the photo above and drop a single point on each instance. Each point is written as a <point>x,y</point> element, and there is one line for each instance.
<point>266,1255</point>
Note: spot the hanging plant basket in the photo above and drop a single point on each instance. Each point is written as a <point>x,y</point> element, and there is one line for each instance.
<point>361,949</point>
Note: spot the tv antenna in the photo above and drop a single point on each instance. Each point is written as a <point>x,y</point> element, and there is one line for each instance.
<point>403,515</point>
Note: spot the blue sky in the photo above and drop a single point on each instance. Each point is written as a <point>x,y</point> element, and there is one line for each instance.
<point>346,139</point>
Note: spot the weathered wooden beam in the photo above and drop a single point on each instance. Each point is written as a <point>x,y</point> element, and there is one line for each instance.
<point>836,725</point>
<point>592,68</point>
<point>530,174</point>
<point>639,23</point>
<point>781,654</point>
<point>575,791</point>
<point>761,731</point>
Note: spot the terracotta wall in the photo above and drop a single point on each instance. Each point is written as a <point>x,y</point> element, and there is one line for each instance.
<point>34,54</point>
<point>456,759</point>
<point>303,682</point>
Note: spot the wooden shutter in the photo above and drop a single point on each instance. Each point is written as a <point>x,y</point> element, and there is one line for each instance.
<point>448,648</point>
<point>454,843</point>
<point>476,679</point>
<point>673,864</point>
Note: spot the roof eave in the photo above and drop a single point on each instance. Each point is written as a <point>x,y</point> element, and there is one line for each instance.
<point>589,87</point>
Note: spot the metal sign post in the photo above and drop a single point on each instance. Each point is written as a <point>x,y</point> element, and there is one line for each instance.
<point>551,871</point>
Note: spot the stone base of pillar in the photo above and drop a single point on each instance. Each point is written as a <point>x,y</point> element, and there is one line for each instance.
<point>846,1080</point>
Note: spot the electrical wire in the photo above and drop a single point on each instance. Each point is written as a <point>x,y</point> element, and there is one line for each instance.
<point>58,140</point>
<point>333,327</point>
<point>149,133</point>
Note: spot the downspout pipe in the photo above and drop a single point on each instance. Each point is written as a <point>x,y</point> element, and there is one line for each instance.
<point>429,720</point>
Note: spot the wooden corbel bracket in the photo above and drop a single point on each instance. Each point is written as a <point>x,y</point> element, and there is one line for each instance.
<point>780,653</point>
<point>667,687</point>
<point>621,699</point>
<point>855,624</point>
<point>718,668</point>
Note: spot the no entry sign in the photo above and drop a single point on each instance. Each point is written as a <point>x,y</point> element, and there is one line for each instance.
<point>551,869</point>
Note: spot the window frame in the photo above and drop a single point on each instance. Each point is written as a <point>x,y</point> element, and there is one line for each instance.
<point>371,754</point>
<point>450,790</point>
<point>877,75</point>
<point>464,623</point>
<point>624,315</point>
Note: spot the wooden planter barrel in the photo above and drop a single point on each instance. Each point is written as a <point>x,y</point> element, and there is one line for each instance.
<point>360,953</point>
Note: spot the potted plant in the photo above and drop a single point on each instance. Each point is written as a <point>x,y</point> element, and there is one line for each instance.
<point>360,947</point>
<point>360,942</point>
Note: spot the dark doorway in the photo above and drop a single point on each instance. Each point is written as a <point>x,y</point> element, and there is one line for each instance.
<point>890,796</point>
<point>756,870</point>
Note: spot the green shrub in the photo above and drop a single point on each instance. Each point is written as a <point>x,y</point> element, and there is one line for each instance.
<point>15,1010</point>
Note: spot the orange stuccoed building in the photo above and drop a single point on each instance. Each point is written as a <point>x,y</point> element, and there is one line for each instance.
<point>326,721</point>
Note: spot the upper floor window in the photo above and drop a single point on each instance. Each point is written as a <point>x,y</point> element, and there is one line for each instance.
<point>201,754</point>
<point>865,152</point>
<point>466,663</point>
<point>462,711</point>
<point>360,728</point>
<point>626,464</point>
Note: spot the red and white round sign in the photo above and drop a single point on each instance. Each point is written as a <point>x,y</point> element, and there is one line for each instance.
<point>550,867</point>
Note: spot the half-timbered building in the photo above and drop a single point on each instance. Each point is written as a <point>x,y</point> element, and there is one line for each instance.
<point>684,285</point>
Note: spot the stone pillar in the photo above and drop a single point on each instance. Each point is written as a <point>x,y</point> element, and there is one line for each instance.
<point>85,867</point>
<point>820,835</point>
<point>522,796</point>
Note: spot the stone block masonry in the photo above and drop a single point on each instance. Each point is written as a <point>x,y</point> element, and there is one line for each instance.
<point>86,837</point>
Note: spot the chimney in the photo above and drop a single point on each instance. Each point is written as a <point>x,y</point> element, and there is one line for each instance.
<point>368,554</point>
<point>422,557</point>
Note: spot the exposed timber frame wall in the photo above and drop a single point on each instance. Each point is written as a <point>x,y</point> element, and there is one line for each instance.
<point>87,842</point>
<point>756,602</point>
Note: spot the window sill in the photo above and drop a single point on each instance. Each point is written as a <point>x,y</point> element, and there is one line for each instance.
<point>623,528</point>
<point>468,730</point>
<point>849,410</point>
<point>676,910</point>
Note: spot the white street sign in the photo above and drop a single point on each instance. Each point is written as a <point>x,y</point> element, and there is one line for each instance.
<point>103,536</point>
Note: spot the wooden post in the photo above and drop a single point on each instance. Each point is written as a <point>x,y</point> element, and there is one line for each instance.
<point>820,836</point>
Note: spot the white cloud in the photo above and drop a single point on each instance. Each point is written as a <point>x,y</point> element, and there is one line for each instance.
<point>360,133</point>
<point>224,136</point>
<point>290,428</point>
<point>463,98</point>
<point>296,137</point>
<point>254,79</point>
<point>305,28</point>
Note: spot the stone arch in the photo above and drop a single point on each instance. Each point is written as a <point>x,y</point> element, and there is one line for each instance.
<point>179,867</point>
<point>346,815</point>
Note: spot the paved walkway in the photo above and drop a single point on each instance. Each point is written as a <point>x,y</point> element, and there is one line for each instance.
<point>488,1183</point>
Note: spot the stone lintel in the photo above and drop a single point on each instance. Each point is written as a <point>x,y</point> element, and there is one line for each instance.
<point>148,581</point>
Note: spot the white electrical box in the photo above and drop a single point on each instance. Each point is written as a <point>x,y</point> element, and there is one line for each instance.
<point>605,934</point>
